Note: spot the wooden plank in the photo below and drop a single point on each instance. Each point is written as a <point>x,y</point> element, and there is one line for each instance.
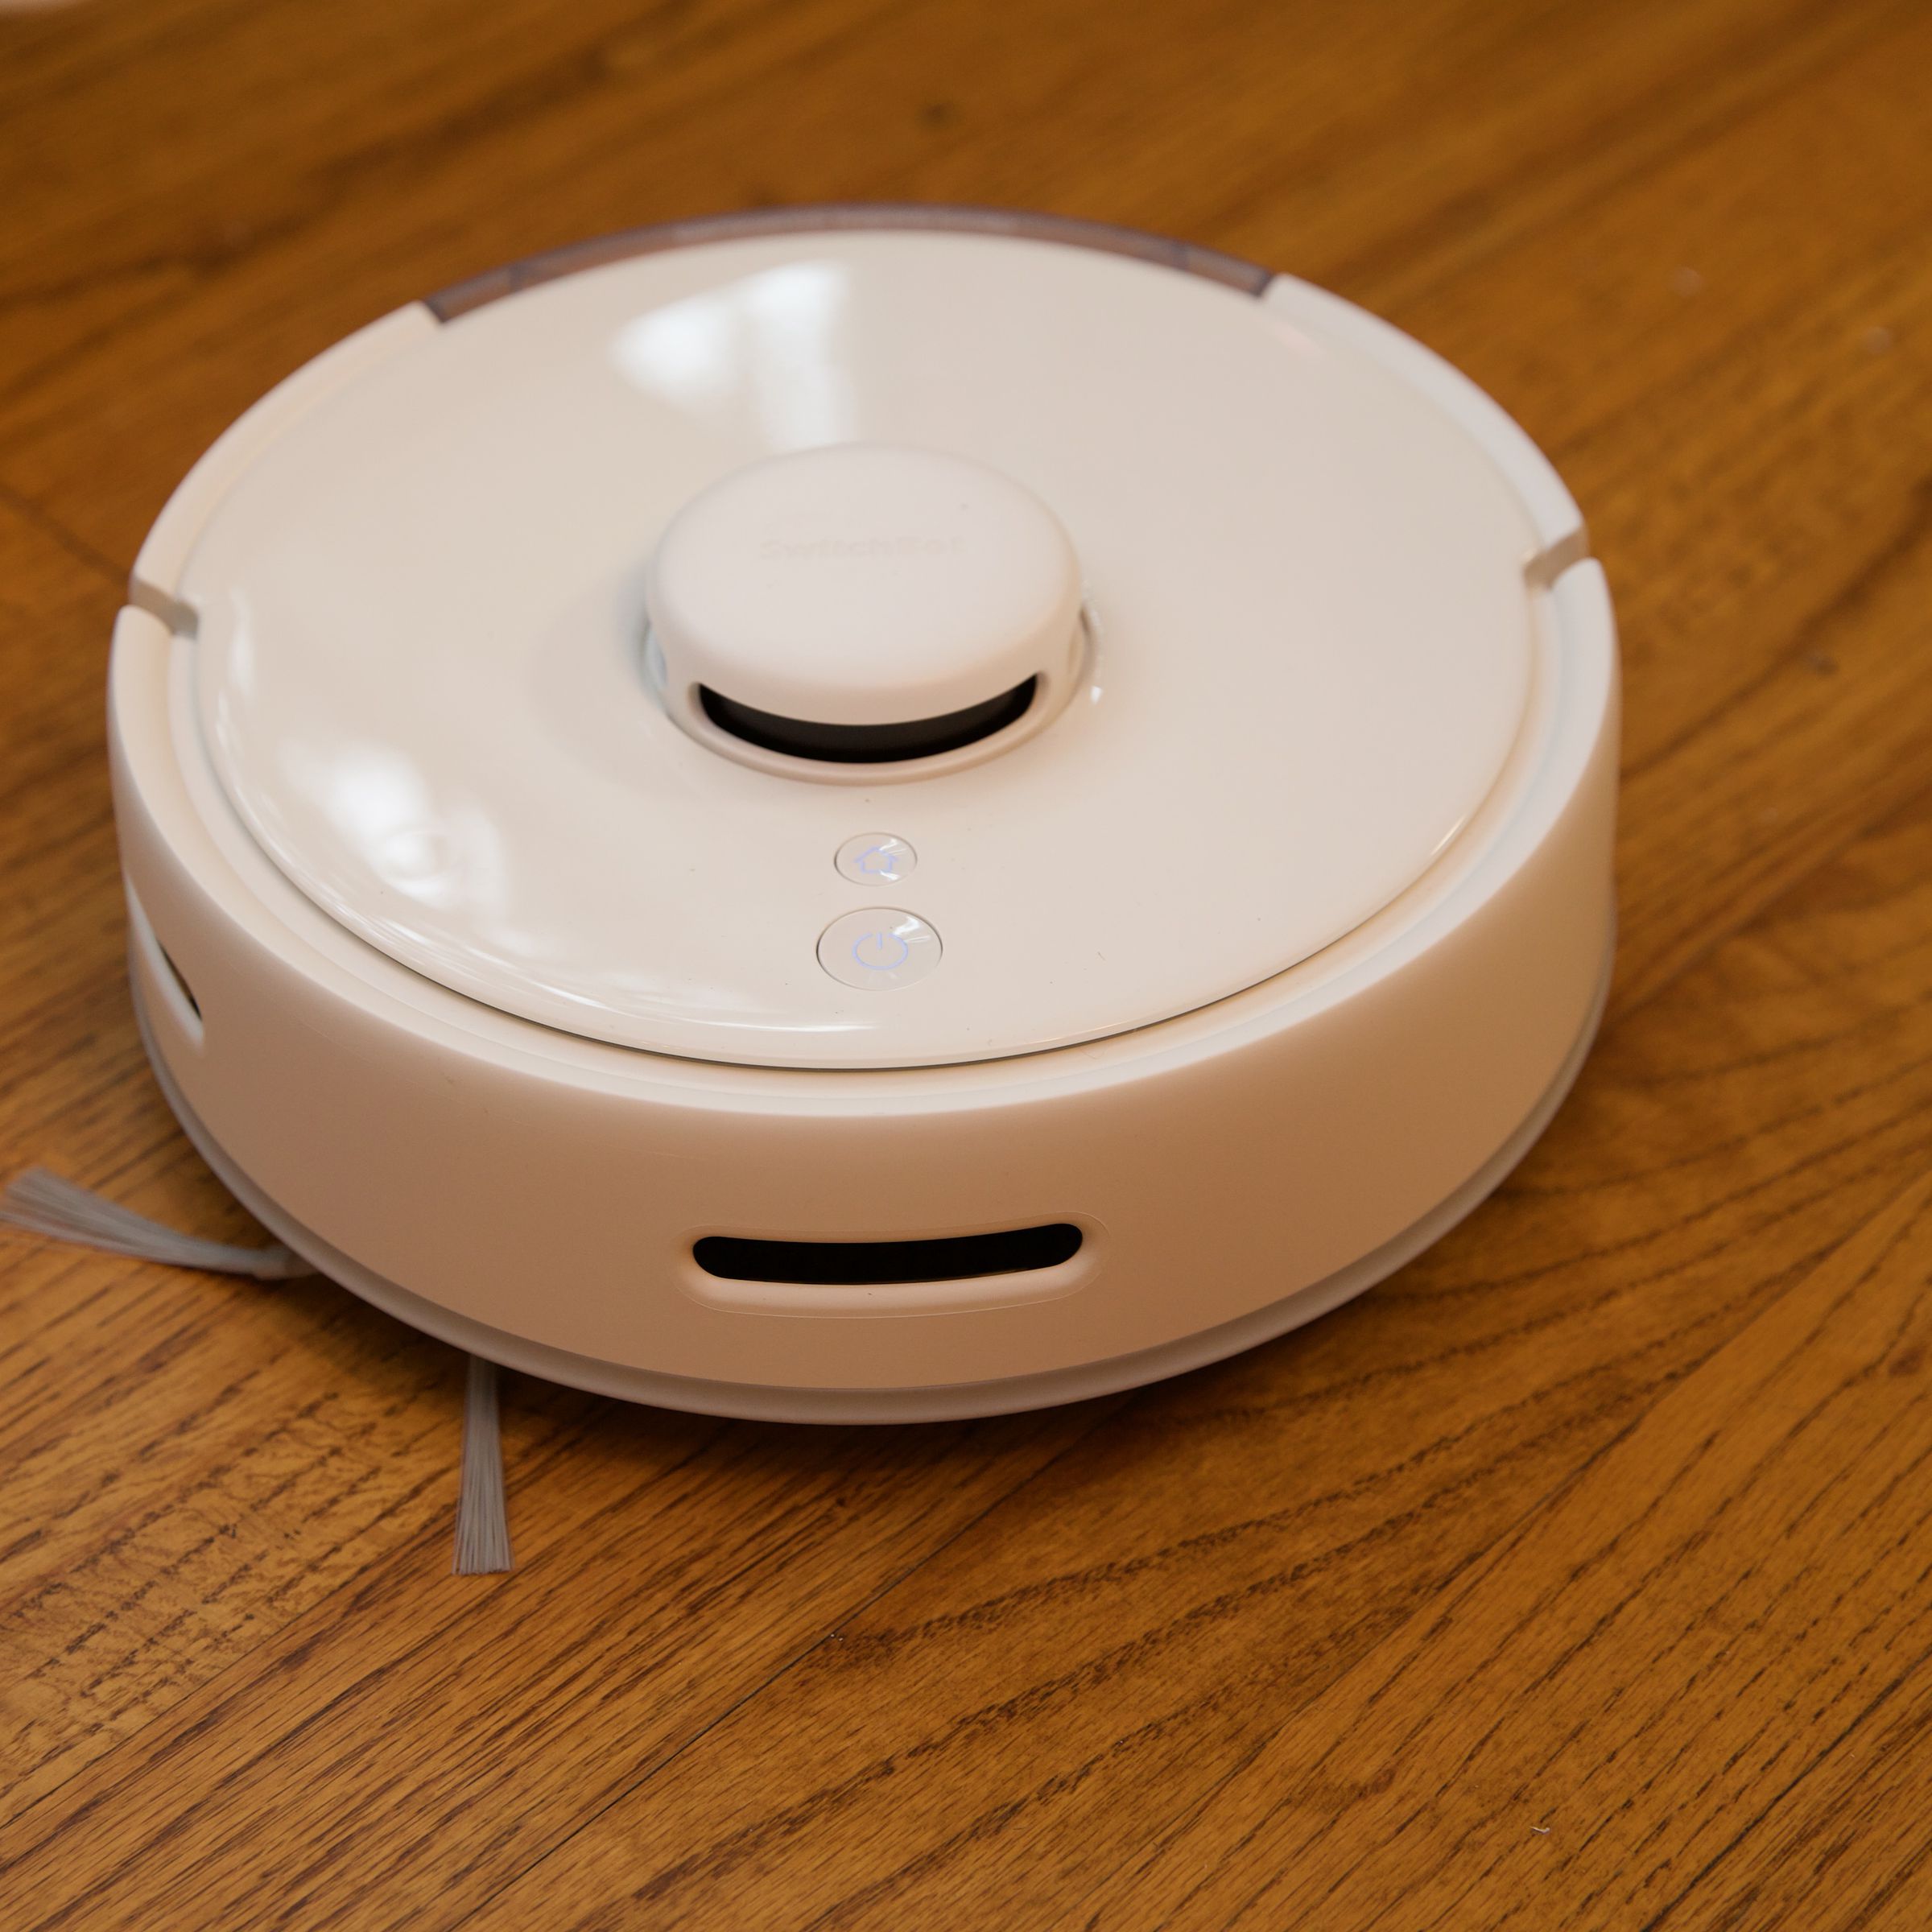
<point>1015,1718</point>
<point>1002,1737</point>
<point>237,1686</point>
<point>189,1462</point>
<point>1656,1702</point>
<point>1091,111</point>
<point>1775,672</point>
<point>402,1744</point>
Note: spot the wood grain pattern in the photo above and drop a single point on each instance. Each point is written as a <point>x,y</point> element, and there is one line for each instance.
<point>1577,1577</point>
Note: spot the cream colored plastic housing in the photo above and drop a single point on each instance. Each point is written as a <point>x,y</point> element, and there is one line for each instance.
<point>1238,1148</point>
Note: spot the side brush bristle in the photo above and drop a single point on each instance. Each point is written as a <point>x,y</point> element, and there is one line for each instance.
<point>482,1520</point>
<point>42,1204</point>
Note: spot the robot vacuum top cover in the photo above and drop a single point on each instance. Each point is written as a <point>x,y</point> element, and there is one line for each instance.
<point>843,649</point>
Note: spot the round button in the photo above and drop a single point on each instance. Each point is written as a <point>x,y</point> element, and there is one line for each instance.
<point>876,951</point>
<point>876,858</point>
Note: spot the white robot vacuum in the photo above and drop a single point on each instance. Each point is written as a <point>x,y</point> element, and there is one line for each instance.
<point>867,814</point>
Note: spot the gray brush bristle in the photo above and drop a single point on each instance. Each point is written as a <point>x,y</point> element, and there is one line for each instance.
<point>43,1204</point>
<point>482,1520</point>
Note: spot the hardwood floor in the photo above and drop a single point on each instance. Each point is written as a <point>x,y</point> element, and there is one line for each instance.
<point>1580,1576</point>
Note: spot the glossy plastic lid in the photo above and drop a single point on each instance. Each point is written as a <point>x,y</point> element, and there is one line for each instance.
<point>1235,616</point>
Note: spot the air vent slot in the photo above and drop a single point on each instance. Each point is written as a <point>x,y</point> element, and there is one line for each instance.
<point>171,991</point>
<point>868,743</point>
<point>880,1263</point>
<point>180,983</point>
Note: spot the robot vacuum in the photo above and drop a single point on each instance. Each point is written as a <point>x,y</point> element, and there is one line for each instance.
<point>867,814</point>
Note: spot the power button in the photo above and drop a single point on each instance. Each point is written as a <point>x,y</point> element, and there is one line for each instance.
<point>878,949</point>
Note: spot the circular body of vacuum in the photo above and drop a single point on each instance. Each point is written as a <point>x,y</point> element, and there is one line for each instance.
<point>867,814</point>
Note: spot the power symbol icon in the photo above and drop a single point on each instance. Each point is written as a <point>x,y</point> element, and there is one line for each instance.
<point>880,951</point>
